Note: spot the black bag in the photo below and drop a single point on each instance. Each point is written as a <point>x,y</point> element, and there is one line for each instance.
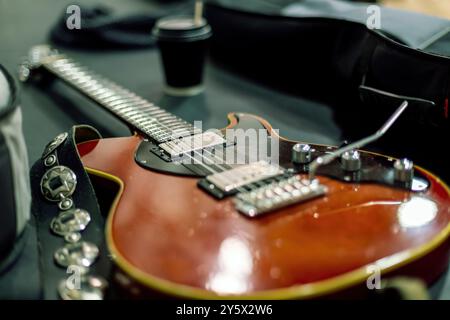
<point>332,57</point>
<point>14,173</point>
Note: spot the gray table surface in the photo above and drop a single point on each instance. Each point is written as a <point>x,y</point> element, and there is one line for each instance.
<point>24,23</point>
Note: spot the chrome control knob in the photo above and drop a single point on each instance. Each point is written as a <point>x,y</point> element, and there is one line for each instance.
<point>301,153</point>
<point>403,170</point>
<point>351,161</point>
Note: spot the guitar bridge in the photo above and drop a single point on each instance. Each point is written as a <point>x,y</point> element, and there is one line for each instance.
<point>278,195</point>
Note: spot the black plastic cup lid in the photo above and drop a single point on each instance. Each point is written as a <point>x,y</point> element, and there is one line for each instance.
<point>181,28</point>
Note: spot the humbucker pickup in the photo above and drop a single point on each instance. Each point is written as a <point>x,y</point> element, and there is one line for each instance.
<point>277,195</point>
<point>178,147</point>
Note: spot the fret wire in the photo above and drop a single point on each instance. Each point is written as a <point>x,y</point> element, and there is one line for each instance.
<point>111,99</point>
<point>124,108</point>
<point>104,93</point>
<point>152,120</point>
<point>167,118</point>
<point>142,109</point>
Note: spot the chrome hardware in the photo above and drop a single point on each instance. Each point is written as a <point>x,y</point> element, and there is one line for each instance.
<point>58,183</point>
<point>55,143</point>
<point>277,195</point>
<point>90,288</point>
<point>39,53</point>
<point>72,237</point>
<point>36,57</point>
<point>351,161</point>
<point>404,170</point>
<point>301,153</point>
<point>50,160</point>
<point>243,175</point>
<point>70,221</point>
<point>65,204</point>
<point>79,253</point>
<point>326,159</point>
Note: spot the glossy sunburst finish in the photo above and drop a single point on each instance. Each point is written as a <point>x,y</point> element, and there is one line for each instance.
<point>168,235</point>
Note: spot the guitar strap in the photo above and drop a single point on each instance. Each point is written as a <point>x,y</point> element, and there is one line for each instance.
<point>69,223</point>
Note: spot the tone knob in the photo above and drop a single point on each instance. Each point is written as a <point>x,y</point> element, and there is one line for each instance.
<point>403,170</point>
<point>351,161</point>
<point>301,153</point>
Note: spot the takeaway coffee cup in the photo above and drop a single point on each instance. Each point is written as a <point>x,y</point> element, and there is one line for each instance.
<point>183,44</point>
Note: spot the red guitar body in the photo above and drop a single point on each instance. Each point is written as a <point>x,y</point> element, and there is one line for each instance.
<point>169,236</point>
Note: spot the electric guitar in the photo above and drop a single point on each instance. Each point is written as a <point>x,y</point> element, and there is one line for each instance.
<point>296,221</point>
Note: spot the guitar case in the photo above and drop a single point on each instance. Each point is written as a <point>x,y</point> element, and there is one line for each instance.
<point>324,50</point>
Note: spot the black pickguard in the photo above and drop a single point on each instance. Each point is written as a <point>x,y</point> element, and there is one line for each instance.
<point>148,156</point>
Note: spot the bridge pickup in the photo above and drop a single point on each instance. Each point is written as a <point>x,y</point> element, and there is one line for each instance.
<point>178,147</point>
<point>277,195</point>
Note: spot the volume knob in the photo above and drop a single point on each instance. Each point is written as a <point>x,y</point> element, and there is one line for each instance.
<point>351,161</point>
<point>403,170</point>
<point>301,153</point>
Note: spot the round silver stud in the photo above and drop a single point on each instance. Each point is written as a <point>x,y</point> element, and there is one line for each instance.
<point>79,253</point>
<point>301,153</point>
<point>65,204</point>
<point>58,183</point>
<point>72,237</point>
<point>73,220</point>
<point>89,288</point>
<point>404,170</point>
<point>50,160</point>
<point>351,161</point>
<point>55,143</point>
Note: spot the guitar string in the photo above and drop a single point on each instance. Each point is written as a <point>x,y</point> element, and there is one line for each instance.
<point>116,89</point>
<point>72,67</point>
<point>109,85</point>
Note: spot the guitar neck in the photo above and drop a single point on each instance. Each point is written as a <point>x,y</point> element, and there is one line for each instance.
<point>139,113</point>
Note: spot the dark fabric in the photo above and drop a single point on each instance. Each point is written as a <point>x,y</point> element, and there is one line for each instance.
<point>8,93</point>
<point>8,209</point>
<point>101,28</point>
<point>327,60</point>
<point>20,277</point>
<point>441,45</point>
<point>324,58</point>
<point>415,30</point>
<point>8,227</point>
<point>84,198</point>
<point>18,253</point>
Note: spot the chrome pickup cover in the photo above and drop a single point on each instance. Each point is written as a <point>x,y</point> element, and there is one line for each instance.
<point>243,175</point>
<point>277,195</point>
<point>178,147</point>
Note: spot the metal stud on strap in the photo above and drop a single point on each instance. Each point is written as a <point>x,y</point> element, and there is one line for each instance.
<point>73,220</point>
<point>55,143</point>
<point>50,160</point>
<point>81,254</point>
<point>89,288</point>
<point>58,183</point>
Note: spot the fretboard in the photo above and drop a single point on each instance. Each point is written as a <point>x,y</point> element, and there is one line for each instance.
<point>141,114</point>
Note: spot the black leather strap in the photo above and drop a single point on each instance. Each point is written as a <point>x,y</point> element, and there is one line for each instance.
<point>84,197</point>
